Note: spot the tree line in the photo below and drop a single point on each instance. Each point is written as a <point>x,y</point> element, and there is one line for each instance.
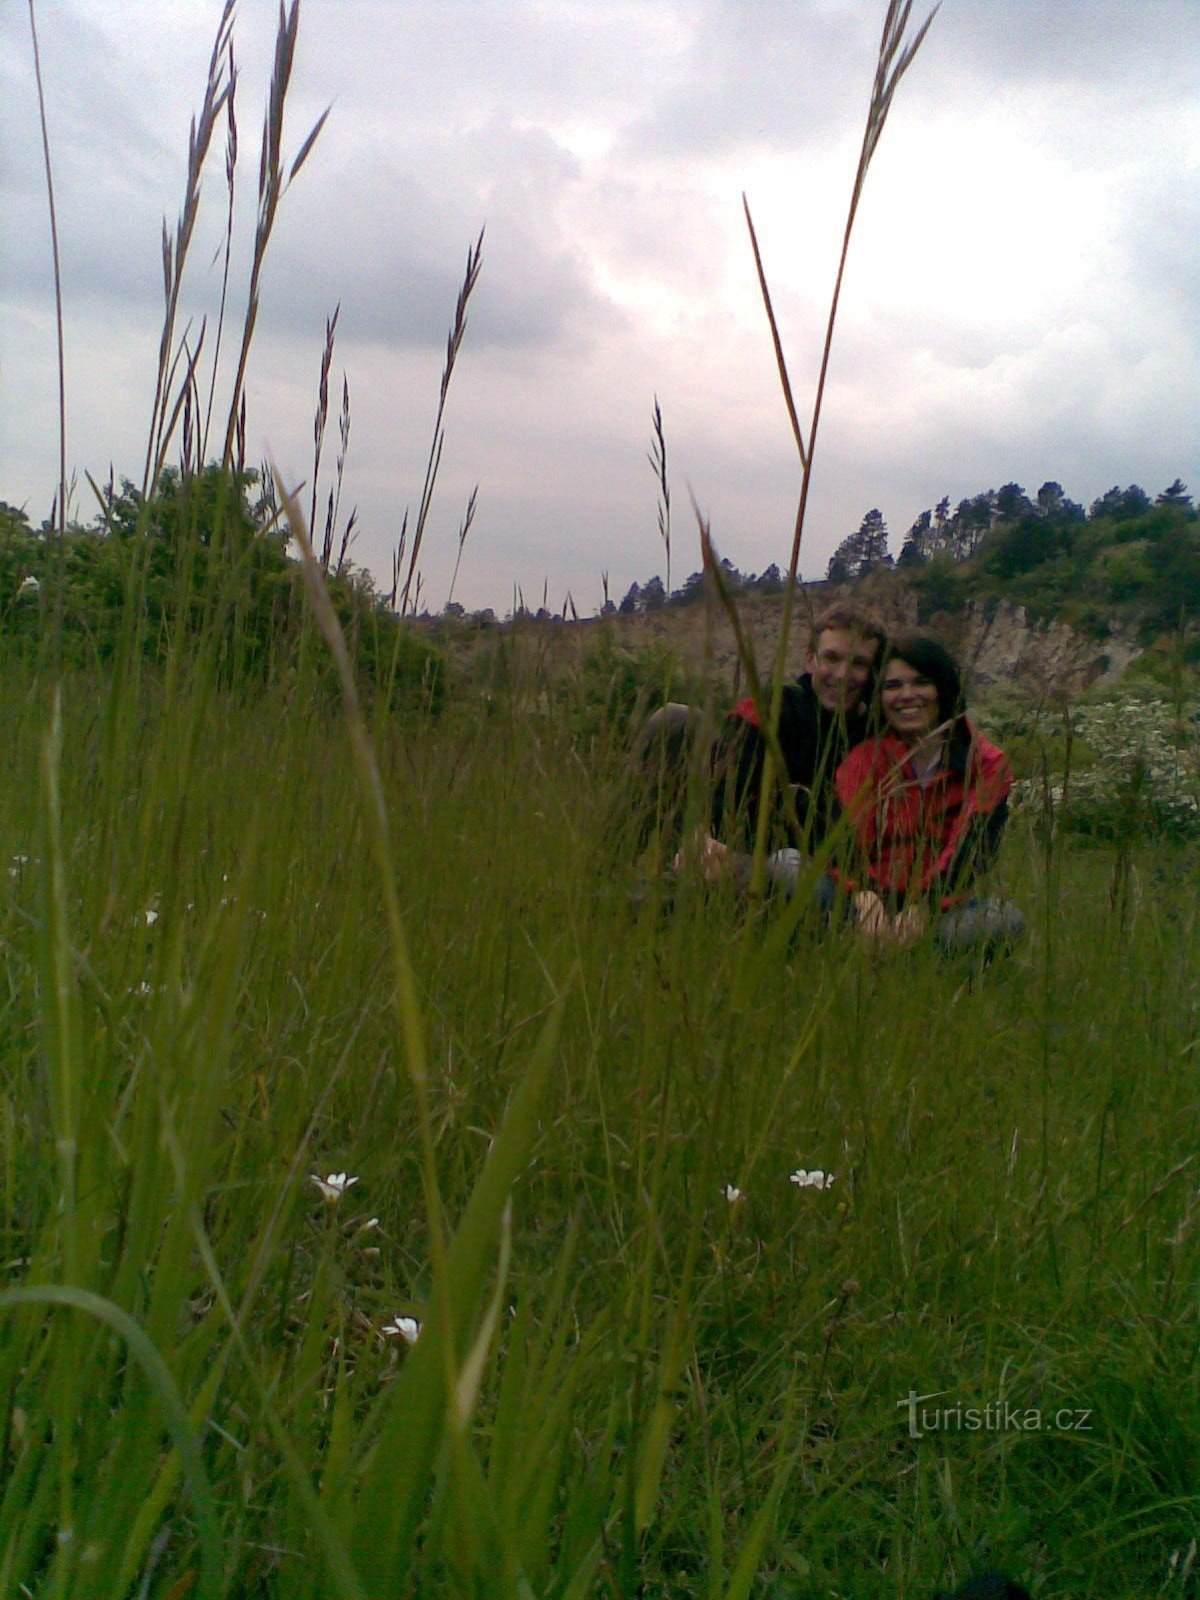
<point>1126,554</point>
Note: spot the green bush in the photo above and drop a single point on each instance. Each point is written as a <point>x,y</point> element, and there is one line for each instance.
<point>196,560</point>
<point>1136,776</point>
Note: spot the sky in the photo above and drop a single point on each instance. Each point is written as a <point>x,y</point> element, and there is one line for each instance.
<point>1021,300</point>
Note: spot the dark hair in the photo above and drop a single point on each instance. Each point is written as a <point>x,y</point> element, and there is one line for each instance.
<point>932,660</point>
<point>854,618</point>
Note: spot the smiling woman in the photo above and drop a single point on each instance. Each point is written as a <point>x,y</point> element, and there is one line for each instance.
<point>928,802</point>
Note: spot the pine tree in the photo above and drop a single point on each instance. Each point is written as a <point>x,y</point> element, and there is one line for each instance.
<point>861,551</point>
<point>917,541</point>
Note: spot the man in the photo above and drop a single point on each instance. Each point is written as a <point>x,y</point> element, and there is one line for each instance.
<point>822,716</point>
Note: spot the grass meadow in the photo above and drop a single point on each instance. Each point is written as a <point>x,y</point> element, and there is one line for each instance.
<point>625,1382</point>
<point>556,1321</point>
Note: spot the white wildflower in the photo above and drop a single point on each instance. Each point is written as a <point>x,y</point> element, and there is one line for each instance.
<point>29,585</point>
<point>816,1179</point>
<point>334,1186</point>
<point>406,1328</point>
<point>731,1193</point>
<point>151,916</point>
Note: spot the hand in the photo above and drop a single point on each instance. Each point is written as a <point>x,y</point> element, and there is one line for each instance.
<point>910,924</point>
<point>873,920</point>
<point>710,857</point>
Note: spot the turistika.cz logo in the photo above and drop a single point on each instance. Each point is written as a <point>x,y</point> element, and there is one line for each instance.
<point>997,1416</point>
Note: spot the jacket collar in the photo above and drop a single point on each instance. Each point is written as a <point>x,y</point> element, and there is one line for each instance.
<point>962,736</point>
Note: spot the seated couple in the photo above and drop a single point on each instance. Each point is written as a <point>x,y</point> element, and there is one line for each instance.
<point>875,732</point>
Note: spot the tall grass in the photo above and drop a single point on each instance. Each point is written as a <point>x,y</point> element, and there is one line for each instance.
<point>655,1368</point>
<point>235,960</point>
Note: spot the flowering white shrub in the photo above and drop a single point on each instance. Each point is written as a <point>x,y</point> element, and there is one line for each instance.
<point>1144,776</point>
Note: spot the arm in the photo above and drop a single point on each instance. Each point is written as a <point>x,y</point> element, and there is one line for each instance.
<point>974,839</point>
<point>737,765</point>
<point>974,852</point>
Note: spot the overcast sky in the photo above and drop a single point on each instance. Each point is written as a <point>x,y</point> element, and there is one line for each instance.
<point>1021,301</point>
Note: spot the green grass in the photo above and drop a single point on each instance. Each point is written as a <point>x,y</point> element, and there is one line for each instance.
<point>244,944</point>
<point>657,1384</point>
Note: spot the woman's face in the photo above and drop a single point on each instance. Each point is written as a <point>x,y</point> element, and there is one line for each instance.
<point>910,701</point>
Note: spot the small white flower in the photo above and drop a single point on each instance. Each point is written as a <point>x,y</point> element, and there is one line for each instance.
<point>144,988</point>
<point>334,1186</point>
<point>17,866</point>
<point>732,1194</point>
<point>151,916</point>
<point>406,1328</point>
<point>28,585</point>
<point>816,1179</point>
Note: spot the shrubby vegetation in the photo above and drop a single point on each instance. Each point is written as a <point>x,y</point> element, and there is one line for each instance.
<point>1130,768</point>
<point>205,556</point>
<point>1125,558</point>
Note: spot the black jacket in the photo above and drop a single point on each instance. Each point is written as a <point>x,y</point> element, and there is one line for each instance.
<point>813,742</point>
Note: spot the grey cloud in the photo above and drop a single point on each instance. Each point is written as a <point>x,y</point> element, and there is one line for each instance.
<point>397,255</point>
<point>1091,42</point>
<point>758,75</point>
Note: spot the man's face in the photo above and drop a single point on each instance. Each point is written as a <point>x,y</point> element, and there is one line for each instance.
<point>840,665</point>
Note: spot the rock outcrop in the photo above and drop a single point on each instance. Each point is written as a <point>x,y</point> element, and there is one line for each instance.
<point>1001,645</point>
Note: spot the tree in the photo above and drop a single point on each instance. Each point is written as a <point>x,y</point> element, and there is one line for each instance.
<point>653,595</point>
<point>839,570</point>
<point>941,523</point>
<point>1174,559</point>
<point>13,519</point>
<point>1011,502</point>
<point>690,591</point>
<point>630,603</point>
<point>861,551</point>
<point>1176,494</point>
<point>972,519</point>
<point>1050,497</point>
<point>1120,504</point>
<point>1016,547</point>
<point>1054,505</point>
<point>918,541</point>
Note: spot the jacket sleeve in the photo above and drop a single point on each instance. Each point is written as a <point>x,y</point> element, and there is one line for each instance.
<point>737,770</point>
<point>975,851</point>
<point>974,840</point>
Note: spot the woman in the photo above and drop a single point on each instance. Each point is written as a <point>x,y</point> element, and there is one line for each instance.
<point>927,802</point>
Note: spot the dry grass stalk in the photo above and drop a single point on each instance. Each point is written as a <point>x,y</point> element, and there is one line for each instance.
<point>57,264</point>
<point>335,507</point>
<point>464,530</point>
<point>272,185</point>
<point>174,252</point>
<point>398,560</point>
<point>231,154</point>
<point>408,597</point>
<point>319,422</point>
<point>658,460</point>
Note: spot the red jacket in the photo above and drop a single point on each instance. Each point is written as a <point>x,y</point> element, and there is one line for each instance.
<point>914,838</point>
